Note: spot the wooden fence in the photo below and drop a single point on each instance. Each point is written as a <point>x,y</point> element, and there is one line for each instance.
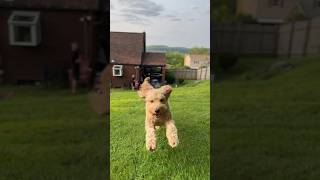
<point>192,74</point>
<point>298,38</point>
<point>244,39</point>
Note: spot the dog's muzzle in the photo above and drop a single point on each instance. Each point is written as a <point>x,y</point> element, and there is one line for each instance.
<point>157,115</point>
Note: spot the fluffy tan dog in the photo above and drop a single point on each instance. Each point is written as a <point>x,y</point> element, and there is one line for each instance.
<point>157,114</point>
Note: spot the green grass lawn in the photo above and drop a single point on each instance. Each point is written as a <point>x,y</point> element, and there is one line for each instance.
<point>129,158</point>
<point>50,134</point>
<point>267,121</point>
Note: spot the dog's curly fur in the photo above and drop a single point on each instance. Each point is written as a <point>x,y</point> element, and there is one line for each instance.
<point>157,114</point>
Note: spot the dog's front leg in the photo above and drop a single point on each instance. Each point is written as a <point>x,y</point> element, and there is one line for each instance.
<point>172,134</point>
<point>150,137</point>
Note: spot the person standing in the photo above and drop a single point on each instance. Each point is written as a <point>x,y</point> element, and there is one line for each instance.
<point>132,81</point>
<point>75,66</point>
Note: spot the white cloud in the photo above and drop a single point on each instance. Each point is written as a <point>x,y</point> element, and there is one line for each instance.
<point>175,23</point>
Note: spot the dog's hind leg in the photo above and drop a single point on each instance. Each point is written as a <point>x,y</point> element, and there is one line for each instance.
<point>172,134</point>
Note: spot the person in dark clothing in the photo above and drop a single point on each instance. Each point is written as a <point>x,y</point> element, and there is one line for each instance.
<point>132,81</point>
<point>75,66</point>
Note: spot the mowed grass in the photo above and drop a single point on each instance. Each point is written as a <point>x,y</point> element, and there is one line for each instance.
<point>50,134</point>
<point>267,127</point>
<point>129,158</point>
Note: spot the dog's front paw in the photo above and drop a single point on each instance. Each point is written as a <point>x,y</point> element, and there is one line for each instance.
<point>151,145</point>
<point>173,142</point>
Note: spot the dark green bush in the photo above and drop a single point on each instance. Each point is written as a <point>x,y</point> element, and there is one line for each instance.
<point>170,77</point>
<point>226,61</point>
<point>180,81</point>
<point>296,16</point>
<point>246,18</point>
<point>175,60</point>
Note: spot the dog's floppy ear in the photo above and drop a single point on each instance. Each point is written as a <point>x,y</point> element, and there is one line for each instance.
<point>145,87</point>
<point>166,90</point>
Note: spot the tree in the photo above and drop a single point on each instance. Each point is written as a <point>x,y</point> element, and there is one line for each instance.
<point>223,10</point>
<point>175,60</point>
<point>199,50</point>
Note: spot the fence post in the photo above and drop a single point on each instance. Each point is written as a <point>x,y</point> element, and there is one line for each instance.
<point>198,74</point>
<point>276,46</point>
<point>236,39</point>
<point>291,39</point>
<point>187,74</point>
<point>307,37</point>
<point>205,75</point>
<point>261,39</point>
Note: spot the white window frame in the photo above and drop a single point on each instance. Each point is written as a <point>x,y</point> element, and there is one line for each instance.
<point>119,68</point>
<point>34,26</point>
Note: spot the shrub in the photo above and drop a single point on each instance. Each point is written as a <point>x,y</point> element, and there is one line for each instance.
<point>226,61</point>
<point>170,77</point>
<point>296,16</point>
<point>246,18</point>
<point>175,60</point>
<point>186,67</point>
<point>199,50</point>
<point>180,81</point>
<point>204,66</point>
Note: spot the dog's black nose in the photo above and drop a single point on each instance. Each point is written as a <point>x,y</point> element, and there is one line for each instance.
<point>157,110</point>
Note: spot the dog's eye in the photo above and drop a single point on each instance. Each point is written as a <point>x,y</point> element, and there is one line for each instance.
<point>161,100</point>
<point>151,101</point>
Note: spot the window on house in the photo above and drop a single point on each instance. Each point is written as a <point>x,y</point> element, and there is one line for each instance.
<point>24,28</point>
<point>117,70</point>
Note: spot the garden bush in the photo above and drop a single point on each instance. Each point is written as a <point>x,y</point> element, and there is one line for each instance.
<point>170,77</point>
<point>226,61</point>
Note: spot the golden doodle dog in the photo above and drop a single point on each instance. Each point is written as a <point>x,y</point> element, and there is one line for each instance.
<point>157,114</point>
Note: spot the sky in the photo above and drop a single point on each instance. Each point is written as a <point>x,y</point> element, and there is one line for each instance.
<point>178,23</point>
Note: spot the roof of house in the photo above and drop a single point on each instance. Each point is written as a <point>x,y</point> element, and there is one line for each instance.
<point>200,57</point>
<point>54,4</point>
<point>152,58</point>
<point>127,48</point>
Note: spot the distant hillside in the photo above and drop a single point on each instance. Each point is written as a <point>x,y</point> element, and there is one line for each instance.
<point>163,48</point>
